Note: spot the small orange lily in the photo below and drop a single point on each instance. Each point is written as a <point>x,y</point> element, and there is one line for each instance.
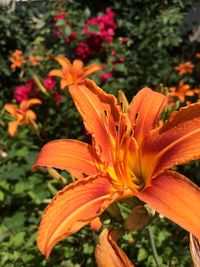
<point>72,73</point>
<point>182,91</point>
<point>130,156</point>
<point>34,60</point>
<point>17,59</point>
<point>22,115</point>
<point>186,67</point>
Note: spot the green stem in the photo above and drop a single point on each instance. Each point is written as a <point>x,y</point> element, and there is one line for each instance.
<point>153,246</point>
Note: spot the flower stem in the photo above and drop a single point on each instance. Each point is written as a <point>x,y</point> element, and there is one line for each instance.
<point>153,246</point>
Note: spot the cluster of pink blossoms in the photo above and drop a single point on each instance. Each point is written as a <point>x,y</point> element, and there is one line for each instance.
<point>29,90</point>
<point>98,31</point>
<point>25,91</point>
<point>94,41</point>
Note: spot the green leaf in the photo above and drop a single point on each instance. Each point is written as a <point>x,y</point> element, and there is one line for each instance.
<point>18,239</point>
<point>67,31</point>
<point>142,254</point>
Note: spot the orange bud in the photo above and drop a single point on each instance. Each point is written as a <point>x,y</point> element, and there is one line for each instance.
<point>137,219</point>
<point>195,250</point>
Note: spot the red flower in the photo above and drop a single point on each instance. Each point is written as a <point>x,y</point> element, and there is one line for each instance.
<point>58,97</point>
<point>105,24</point>
<point>61,15</point>
<point>49,83</point>
<point>83,51</point>
<point>72,37</point>
<point>23,92</point>
<point>107,75</point>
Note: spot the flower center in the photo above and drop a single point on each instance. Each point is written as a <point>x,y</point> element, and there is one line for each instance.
<point>125,170</point>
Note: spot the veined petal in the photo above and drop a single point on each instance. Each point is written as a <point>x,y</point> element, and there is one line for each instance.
<point>177,198</point>
<point>177,141</point>
<point>100,113</point>
<point>72,208</point>
<point>90,69</point>
<point>76,157</point>
<point>63,61</point>
<point>145,110</point>
<point>107,252</point>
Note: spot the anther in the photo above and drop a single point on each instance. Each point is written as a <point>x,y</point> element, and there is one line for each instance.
<point>105,112</point>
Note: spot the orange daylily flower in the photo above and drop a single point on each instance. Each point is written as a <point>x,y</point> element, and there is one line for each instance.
<point>34,60</point>
<point>182,91</point>
<point>17,60</point>
<point>130,156</point>
<point>72,73</point>
<point>108,254</point>
<point>22,114</point>
<point>184,68</point>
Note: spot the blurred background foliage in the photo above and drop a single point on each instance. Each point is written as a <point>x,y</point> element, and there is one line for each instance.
<point>142,44</point>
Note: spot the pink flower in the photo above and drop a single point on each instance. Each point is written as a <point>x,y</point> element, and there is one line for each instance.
<point>83,51</point>
<point>106,75</point>
<point>57,33</point>
<point>105,26</point>
<point>23,92</point>
<point>113,52</point>
<point>58,97</point>
<point>49,83</point>
<point>72,37</point>
<point>59,16</point>
<point>94,42</point>
<point>118,60</point>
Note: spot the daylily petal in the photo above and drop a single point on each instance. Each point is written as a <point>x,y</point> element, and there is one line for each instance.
<point>12,128</point>
<point>145,110</point>
<point>30,115</point>
<point>177,141</point>
<point>77,66</point>
<point>24,105</point>
<point>58,73</point>
<point>177,198</point>
<point>90,69</point>
<point>76,157</point>
<point>63,61</point>
<point>195,250</point>
<point>107,252</point>
<point>12,109</point>
<point>64,83</point>
<point>72,208</point>
<point>100,113</point>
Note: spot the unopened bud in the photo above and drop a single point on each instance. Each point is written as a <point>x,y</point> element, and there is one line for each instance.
<point>195,250</point>
<point>137,219</point>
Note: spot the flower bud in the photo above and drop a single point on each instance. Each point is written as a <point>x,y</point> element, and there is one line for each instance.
<point>137,219</point>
